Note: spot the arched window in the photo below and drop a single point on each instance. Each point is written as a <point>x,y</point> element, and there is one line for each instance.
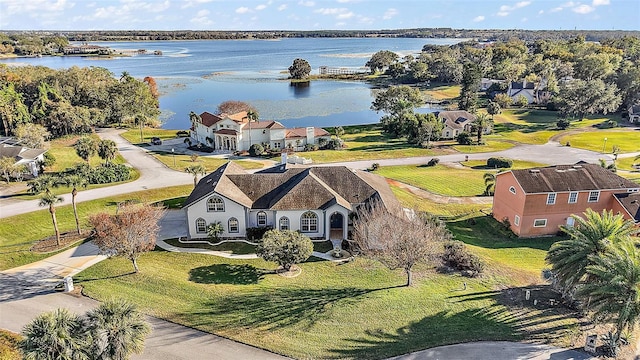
<point>284,223</point>
<point>262,218</point>
<point>233,225</point>
<point>215,204</point>
<point>309,222</point>
<point>201,226</point>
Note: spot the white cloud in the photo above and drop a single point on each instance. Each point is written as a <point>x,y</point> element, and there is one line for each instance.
<point>506,9</point>
<point>282,7</point>
<point>308,3</point>
<point>583,9</point>
<point>203,12</point>
<point>478,18</point>
<point>242,10</point>
<point>261,7</point>
<point>540,12</point>
<point>40,6</point>
<point>556,9</point>
<point>330,11</point>
<point>190,3</point>
<point>390,13</point>
<point>600,2</point>
<point>344,16</point>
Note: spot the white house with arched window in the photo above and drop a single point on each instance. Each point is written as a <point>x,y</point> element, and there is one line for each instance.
<point>316,201</point>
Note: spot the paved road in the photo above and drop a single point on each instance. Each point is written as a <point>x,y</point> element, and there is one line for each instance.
<point>492,350</point>
<point>153,175</point>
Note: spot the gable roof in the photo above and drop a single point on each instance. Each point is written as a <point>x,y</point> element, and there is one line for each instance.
<point>208,119</point>
<point>301,132</point>
<point>456,119</point>
<point>295,188</point>
<point>20,152</point>
<point>269,124</point>
<point>562,178</point>
<point>631,203</point>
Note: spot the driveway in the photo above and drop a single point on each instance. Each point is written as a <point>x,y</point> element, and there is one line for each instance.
<point>492,350</point>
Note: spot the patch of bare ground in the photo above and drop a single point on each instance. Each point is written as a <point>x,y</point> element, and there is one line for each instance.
<point>67,239</point>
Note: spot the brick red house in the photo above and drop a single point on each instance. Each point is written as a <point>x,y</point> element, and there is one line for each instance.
<point>537,201</point>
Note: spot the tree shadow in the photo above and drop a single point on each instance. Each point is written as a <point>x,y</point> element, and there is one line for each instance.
<point>271,310</point>
<point>82,280</point>
<point>243,274</point>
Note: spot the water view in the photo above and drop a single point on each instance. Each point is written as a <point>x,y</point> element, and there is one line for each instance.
<point>198,75</point>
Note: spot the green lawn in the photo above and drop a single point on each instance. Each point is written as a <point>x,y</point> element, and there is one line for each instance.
<point>437,179</point>
<point>517,164</point>
<point>490,145</point>
<point>34,226</point>
<point>443,91</point>
<point>228,247</point>
<point>627,163</point>
<point>133,135</point>
<point>452,210</point>
<point>210,163</point>
<point>627,139</point>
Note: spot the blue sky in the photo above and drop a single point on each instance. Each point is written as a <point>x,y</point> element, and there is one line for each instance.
<point>317,14</point>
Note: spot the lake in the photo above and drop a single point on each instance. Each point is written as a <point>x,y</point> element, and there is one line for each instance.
<point>198,75</point>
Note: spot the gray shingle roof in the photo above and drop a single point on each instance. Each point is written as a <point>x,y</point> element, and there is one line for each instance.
<point>296,188</point>
<point>631,202</point>
<point>560,178</point>
<point>456,119</point>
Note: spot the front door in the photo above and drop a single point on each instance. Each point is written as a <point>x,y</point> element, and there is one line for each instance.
<point>337,221</point>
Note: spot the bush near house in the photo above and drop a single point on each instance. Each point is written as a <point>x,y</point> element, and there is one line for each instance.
<point>499,163</point>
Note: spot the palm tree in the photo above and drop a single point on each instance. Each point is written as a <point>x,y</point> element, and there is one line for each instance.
<point>76,181</point>
<point>85,147</point>
<point>54,335</point>
<point>481,123</point>
<point>612,167</point>
<point>50,200</point>
<point>117,330</point>
<point>489,183</point>
<point>591,237</point>
<point>214,230</point>
<point>614,290</point>
<point>195,170</point>
<point>107,150</point>
<point>43,183</point>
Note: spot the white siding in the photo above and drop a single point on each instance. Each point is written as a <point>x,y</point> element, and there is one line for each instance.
<point>231,209</point>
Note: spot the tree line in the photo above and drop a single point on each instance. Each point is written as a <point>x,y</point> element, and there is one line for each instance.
<point>73,100</point>
<point>10,37</point>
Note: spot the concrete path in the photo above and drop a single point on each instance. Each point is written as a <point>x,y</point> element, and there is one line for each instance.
<point>494,350</point>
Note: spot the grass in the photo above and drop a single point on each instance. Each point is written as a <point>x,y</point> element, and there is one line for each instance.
<point>15,245</point>
<point>517,164</point>
<point>450,210</point>
<point>210,163</point>
<point>437,179</point>
<point>627,163</point>
<point>237,248</point>
<point>490,145</point>
<point>443,92</point>
<point>627,139</point>
<point>9,345</point>
<point>133,135</point>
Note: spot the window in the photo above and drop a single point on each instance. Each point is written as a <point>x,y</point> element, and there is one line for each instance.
<point>233,225</point>
<point>594,196</point>
<point>309,222</point>
<point>284,223</point>
<point>201,226</point>
<point>215,204</point>
<point>551,198</point>
<point>512,190</point>
<point>516,220</point>
<point>262,218</point>
<point>573,197</point>
<point>539,222</point>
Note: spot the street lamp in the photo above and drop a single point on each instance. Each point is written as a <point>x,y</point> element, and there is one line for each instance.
<point>604,145</point>
<point>174,156</point>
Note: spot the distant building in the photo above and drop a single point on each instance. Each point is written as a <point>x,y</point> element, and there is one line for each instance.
<point>537,201</point>
<point>23,156</point>
<point>634,114</point>
<point>86,49</point>
<point>236,133</point>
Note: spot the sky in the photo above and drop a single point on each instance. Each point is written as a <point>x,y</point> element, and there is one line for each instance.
<point>318,14</point>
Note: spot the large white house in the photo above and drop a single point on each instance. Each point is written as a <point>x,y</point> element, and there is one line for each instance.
<point>236,133</point>
<point>314,200</point>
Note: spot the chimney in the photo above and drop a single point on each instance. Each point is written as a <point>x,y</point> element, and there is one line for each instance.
<point>283,158</point>
<point>311,139</point>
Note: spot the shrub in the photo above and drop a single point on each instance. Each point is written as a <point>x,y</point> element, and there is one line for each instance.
<point>311,147</point>
<point>256,150</point>
<point>102,174</point>
<point>286,247</point>
<point>563,124</point>
<point>499,162</point>
<point>200,147</point>
<point>522,101</point>
<point>464,139</point>
<point>374,167</point>
<point>433,162</point>
<point>334,144</point>
<point>503,100</point>
<point>256,233</point>
<point>456,256</point>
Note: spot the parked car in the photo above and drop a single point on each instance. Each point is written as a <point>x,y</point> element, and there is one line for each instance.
<point>156,141</point>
